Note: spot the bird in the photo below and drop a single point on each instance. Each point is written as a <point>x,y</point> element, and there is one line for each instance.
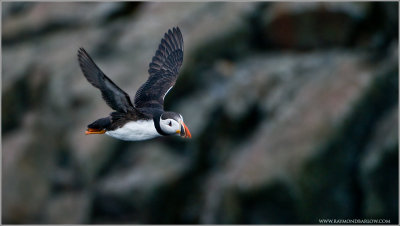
<point>145,118</point>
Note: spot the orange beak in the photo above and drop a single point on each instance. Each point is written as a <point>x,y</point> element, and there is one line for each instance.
<point>94,131</point>
<point>185,133</point>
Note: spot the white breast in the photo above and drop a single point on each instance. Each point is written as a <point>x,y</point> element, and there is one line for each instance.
<point>134,131</point>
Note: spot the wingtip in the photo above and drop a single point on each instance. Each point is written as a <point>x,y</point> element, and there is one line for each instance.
<point>81,50</point>
<point>83,55</point>
<point>177,29</point>
<point>173,30</point>
<point>178,34</point>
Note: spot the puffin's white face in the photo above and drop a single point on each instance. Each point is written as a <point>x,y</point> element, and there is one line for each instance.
<point>174,126</point>
<point>170,126</point>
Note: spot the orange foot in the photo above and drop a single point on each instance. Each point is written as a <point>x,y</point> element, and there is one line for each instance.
<point>94,131</point>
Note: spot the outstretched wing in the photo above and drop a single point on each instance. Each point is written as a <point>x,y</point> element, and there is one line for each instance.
<point>164,69</point>
<point>115,97</point>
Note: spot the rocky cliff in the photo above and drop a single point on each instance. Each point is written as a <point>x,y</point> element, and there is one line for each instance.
<point>293,109</point>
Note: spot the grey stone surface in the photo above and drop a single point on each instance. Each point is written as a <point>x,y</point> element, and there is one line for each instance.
<point>293,109</point>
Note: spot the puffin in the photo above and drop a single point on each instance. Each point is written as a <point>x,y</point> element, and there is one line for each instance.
<point>145,118</point>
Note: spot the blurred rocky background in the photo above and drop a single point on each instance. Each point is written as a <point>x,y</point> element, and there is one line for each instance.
<point>293,108</point>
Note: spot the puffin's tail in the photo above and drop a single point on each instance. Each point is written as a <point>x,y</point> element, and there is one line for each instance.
<point>99,126</point>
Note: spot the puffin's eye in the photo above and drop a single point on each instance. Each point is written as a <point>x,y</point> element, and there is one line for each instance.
<point>170,123</point>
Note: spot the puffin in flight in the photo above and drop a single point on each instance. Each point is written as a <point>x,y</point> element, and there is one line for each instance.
<point>145,118</point>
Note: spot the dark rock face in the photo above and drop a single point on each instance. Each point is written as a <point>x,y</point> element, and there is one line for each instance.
<point>293,108</point>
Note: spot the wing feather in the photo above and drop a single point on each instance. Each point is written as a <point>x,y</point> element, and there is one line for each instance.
<point>114,96</point>
<point>163,70</point>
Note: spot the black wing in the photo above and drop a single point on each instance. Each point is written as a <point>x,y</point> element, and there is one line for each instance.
<point>163,70</point>
<point>115,97</point>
